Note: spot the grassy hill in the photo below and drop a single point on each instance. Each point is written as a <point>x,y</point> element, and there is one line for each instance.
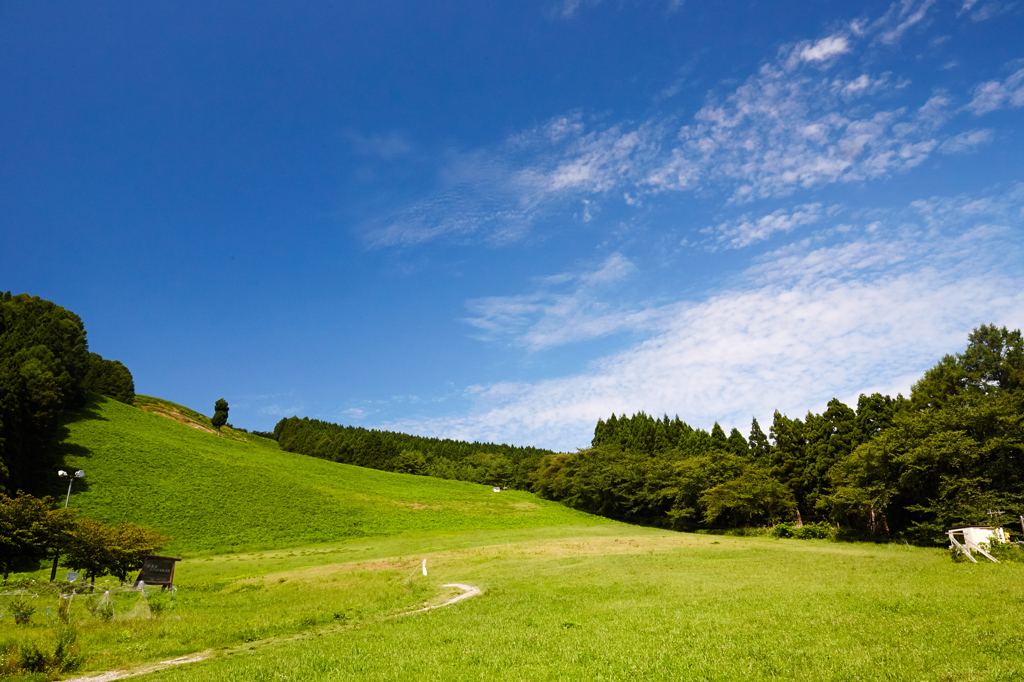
<point>566,595</point>
<point>223,493</point>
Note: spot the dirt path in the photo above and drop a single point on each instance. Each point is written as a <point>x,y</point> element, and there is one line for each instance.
<point>150,668</point>
<point>467,592</point>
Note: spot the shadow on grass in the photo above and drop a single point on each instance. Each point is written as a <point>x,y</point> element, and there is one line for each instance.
<point>61,449</point>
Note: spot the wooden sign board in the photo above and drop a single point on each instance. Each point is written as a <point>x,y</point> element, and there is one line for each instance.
<point>157,570</point>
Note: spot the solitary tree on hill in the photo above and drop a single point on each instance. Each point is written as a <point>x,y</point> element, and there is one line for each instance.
<point>220,414</point>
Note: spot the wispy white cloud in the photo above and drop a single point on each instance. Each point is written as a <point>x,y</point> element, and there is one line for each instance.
<point>967,141</point>
<point>747,230</point>
<point>785,129</point>
<point>281,409</point>
<point>903,14</point>
<point>791,126</point>
<point>565,308</point>
<point>994,95</point>
<point>809,322</point>
<point>824,49</point>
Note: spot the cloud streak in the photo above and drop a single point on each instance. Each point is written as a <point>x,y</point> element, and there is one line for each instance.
<point>805,120</point>
<point>566,308</point>
<point>994,95</point>
<point>809,322</point>
<point>747,230</point>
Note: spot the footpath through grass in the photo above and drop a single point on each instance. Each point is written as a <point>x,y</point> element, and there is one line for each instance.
<point>614,604</point>
<point>218,494</point>
<point>605,602</point>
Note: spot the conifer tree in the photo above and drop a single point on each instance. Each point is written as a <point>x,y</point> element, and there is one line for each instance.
<point>737,443</point>
<point>220,414</point>
<point>760,448</point>
<point>718,438</point>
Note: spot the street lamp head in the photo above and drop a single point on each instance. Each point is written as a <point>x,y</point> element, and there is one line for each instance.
<point>80,473</point>
<point>62,473</point>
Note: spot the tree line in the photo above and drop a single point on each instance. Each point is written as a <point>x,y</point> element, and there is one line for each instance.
<point>46,370</point>
<point>487,463</point>
<point>951,454</point>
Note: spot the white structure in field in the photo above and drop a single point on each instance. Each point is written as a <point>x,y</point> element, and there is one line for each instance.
<point>497,489</point>
<point>976,538</point>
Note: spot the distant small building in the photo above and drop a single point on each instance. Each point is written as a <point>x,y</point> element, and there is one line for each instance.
<point>975,538</point>
<point>497,488</point>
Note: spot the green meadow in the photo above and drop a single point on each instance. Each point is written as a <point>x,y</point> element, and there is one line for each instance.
<point>301,569</point>
<point>239,491</point>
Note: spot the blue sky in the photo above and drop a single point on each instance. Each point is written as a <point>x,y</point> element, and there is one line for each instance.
<point>501,221</point>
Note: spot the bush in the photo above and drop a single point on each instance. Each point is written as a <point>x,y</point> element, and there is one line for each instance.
<point>30,658</point>
<point>101,606</point>
<point>67,656</point>
<point>783,530</point>
<point>810,531</point>
<point>16,659</point>
<point>22,609</point>
<point>957,556</point>
<point>1007,551</point>
<point>158,604</point>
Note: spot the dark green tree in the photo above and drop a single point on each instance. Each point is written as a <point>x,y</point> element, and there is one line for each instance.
<point>220,414</point>
<point>751,497</point>
<point>718,437</point>
<point>30,527</point>
<point>110,378</point>
<point>737,443</point>
<point>992,363</point>
<point>43,362</point>
<point>760,448</point>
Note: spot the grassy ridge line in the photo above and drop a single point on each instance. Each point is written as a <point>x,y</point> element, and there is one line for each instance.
<point>222,494</point>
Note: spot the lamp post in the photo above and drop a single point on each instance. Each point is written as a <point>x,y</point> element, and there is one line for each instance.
<point>71,479</point>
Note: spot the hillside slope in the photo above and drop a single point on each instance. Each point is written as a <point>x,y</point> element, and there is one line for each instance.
<point>241,491</point>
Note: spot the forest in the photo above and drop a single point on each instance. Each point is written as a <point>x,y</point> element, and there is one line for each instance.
<point>489,463</point>
<point>907,468</point>
<point>46,370</point>
<point>910,468</point>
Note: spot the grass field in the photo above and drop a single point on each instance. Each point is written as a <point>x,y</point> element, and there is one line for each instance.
<point>219,494</point>
<point>569,603</point>
<point>566,596</point>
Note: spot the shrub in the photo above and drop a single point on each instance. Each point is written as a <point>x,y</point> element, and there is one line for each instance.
<point>101,607</point>
<point>30,658</point>
<point>810,531</point>
<point>1007,551</point>
<point>815,531</point>
<point>957,556</point>
<point>158,604</point>
<point>22,609</point>
<point>67,655</point>
<point>783,530</point>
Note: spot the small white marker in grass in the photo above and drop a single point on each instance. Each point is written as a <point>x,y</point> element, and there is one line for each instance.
<point>424,567</point>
